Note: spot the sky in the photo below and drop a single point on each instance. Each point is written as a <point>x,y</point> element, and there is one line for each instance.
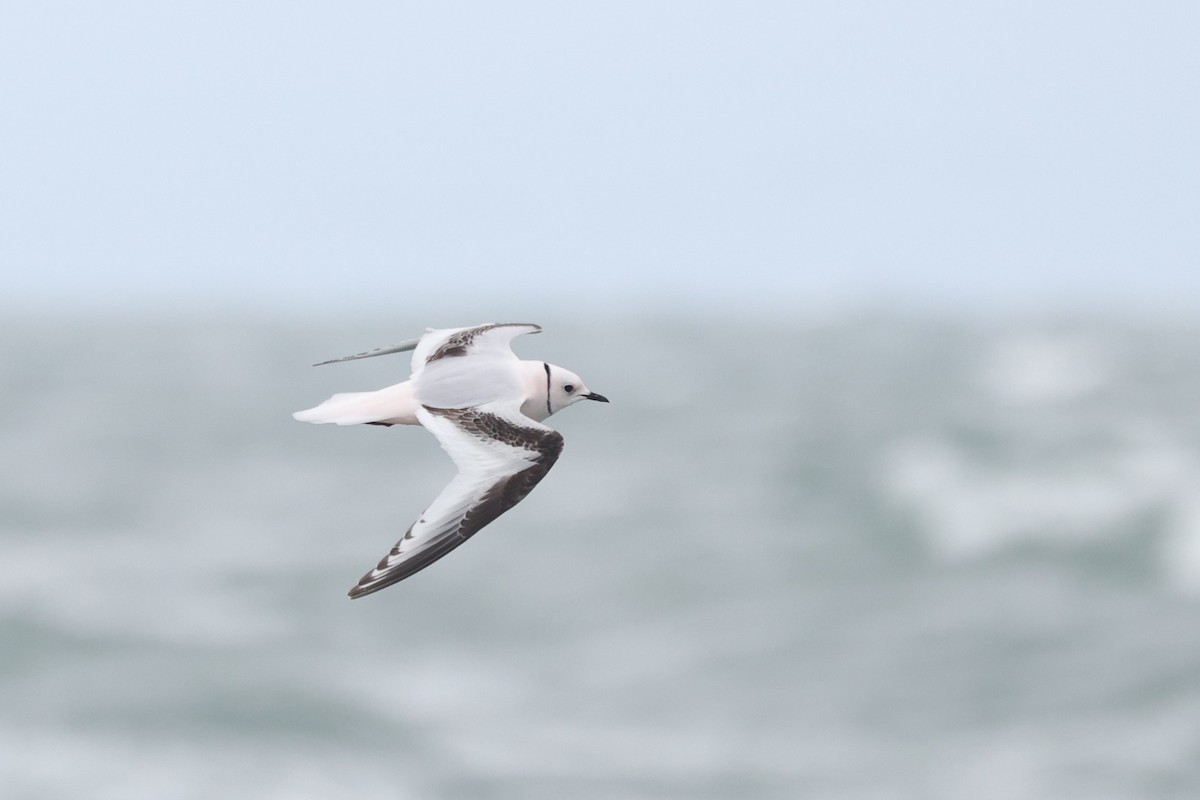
<point>784,156</point>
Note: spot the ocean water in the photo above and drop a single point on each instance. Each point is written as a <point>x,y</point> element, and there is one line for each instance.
<point>860,558</point>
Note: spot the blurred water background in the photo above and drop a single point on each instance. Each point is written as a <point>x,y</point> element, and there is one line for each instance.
<point>948,549</point>
<point>859,557</point>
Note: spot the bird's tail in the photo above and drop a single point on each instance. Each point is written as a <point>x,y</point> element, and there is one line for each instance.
<point>394,405</point>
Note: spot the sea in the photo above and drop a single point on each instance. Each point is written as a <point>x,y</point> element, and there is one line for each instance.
<point>854,556</point>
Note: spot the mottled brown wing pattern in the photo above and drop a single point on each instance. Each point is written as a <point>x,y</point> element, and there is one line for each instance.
<point>508,492</point>
<point>458,343</point>
<point>544,446</point>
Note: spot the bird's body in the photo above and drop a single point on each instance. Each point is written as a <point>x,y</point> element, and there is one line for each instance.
<point>486,409</point>
<point>398,404</point>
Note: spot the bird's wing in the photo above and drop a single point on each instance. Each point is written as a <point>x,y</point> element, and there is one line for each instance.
<point>404,346</point>
<point>478,337</point>
<point>469,367</point>
<point>491,339</point>
<point>501,455</point>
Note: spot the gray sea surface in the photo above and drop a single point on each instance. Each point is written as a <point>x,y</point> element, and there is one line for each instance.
<point>854,558</point>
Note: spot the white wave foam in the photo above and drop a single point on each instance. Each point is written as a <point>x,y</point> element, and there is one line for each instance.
<point>1180,553</point>
<point>968,508</point>
<point>1038,369</point>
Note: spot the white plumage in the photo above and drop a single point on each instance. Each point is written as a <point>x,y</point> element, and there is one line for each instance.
<point>485,407</point>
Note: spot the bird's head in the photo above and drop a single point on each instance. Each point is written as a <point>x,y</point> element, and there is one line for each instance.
<point>565,388</point>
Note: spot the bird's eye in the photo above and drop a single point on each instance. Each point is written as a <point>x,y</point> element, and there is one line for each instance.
<point>570,387</point>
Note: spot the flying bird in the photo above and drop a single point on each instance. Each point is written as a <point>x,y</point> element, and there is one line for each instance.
<point>486,407</point>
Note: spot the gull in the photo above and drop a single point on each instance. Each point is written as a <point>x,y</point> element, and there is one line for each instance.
<point>486,407</point>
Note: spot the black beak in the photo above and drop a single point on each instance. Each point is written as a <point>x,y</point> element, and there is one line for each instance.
<point>594,396</point>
